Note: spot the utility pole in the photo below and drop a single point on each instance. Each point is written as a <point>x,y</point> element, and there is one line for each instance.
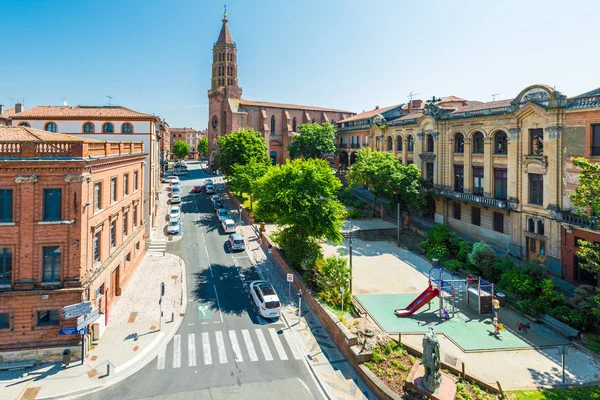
<point>350,248</point>
<point>162,293</point>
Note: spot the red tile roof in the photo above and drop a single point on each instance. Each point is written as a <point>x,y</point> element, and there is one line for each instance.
<point>411,115</point>
<point>104,112</point>
<point>23,134</point>
<point>290,106</point>
<point>8,113</point>
<point>477,105</point>
<point>368,114</point>
<point>452,98</point>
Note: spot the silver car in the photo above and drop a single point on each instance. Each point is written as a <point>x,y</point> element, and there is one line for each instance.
<point>173,226</point>
<point>175,198</point>
<point>222,214</point>
<point>237,242</point>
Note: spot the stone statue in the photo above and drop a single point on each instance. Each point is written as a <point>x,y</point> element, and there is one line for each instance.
<point>431,361</point>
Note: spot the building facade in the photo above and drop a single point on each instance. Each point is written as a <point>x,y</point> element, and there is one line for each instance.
<point>189,135</point>
<point>113,123</point>
<point>228,112</point>
<point>71,229</point>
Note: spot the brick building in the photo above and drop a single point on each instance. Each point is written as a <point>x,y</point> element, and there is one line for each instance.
<point>227,111</point>
<point>189,135</point>
<point>71,229</point>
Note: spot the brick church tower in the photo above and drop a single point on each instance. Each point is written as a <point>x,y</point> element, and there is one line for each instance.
<point>224,86</point>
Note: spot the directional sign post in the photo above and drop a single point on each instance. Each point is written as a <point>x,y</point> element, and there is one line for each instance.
<point>84,320</point>
<point>75,310</point>
<point>290,279</point>
<point>68,331</point>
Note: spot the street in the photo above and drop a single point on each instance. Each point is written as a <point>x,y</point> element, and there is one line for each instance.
<point>222,349</point>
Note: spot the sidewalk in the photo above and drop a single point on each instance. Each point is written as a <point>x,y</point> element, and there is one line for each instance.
<point>333,372</point>
<point>130,341</point>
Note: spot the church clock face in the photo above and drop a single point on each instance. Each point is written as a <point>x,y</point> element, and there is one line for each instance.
<point>215,122</point>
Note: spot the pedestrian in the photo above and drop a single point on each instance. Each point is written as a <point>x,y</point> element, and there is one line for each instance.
<point>496,325</point>
<point>495,305</point>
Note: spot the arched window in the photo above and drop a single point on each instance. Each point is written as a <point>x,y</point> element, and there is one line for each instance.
<point>390,146</point>
<point>272,124</point>
<point>273,155</point>
<point>478,143</point>
<point>127,128</point>
<point>108,128</point>
<point>294,124</point>
<point>430,143</point>
<point>530,225</point>
<point>51,127</point>
<point>411,143</point>
<point>88,127</point>
<point>459,143</point>
<point>540,227</point>
<point>500,143</point>
<point>399,143</point>
<point>25,124</point>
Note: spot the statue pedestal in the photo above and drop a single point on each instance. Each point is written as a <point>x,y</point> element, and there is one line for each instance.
<point>446,391</point>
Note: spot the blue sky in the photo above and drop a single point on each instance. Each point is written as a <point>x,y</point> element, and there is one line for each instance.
<point>155,55</point>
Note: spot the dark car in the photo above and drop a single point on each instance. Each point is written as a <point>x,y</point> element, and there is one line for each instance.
<point>218,204</point>
<point>197,189</point>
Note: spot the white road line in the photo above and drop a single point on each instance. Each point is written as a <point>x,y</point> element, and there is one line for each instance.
<point>287,334</point>
<point>176,351</point>
<point>221,347</point>
<point>278,345</point>
<point>206,349</point>
<point>235,346</point>
<point>191,350</point>
<point>249,345</point>
<point>206,248</point>
<point>218,304</point>
<point>160,361</point>
<point>263,345</point>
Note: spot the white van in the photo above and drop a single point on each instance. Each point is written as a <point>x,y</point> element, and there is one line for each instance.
<point>228,225</point>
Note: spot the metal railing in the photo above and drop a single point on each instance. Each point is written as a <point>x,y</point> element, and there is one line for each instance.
<point>581,220</point>
<point>471,198</point>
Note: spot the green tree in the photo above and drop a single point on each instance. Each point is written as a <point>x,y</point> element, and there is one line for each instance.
<point>380,170</point>
<point>407,192</point>
<point>202,147</point>
<point>181,149</point>
<point>239,147</point>
<point>314,141</point>
<point>586,198</point>
<point>243,177</point>
<point>300,196</point>
<point>332,274</point>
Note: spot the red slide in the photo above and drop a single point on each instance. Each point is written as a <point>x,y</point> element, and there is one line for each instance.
<point>424,298</point>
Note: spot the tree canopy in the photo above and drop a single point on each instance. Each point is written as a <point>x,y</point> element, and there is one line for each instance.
<point>181,149</point>
<point>586,198</point>
<point>202,146</point>
<point>243,177</point>
<point>314,141</point>
<point>407,193</point>
<point>239,147</point>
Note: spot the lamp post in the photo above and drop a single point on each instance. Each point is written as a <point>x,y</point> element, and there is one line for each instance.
<point>350,259</point>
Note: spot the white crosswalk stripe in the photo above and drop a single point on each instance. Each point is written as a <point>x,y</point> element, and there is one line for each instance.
<point>176,351</point>
<point>191,350</point>
<point>287,334</point>
<point>235,346</point>
<point>278,345</point>
<point>157,246</point>
<point>206,349</point>
<point>160,360</point>
<point>263,345</point>
<point>221,347</point>
<point>249,345</point>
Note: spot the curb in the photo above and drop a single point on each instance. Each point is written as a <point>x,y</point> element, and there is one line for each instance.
<point>138,366</point>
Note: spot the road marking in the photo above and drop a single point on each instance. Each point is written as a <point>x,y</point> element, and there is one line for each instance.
<point>235,346</point>
<point>203,323</point>
<point>206,249</point>
<point>206,349</point>
<point>221,347</point>
<point>249,345</point>
<point>263,345</point>
<point>191,350</point>
<point>218,304</point>
<point>278,345</point>
<point>176,351</point>
<point>287,334</point>
<point>160,361</point>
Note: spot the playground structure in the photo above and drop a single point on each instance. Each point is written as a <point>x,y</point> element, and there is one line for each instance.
<point>475,291</point>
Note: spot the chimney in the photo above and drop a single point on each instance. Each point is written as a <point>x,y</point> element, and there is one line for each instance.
<point>377,107</point>
<point>409,106</point>
<point>18,108</point>
<point>1,109</point>
<point>417,103</point>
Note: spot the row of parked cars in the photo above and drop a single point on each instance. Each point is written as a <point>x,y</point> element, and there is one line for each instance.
<point>236,240</point>
<point>174,224</point>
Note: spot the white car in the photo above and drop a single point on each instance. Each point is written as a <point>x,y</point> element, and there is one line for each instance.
<point>173,226</point>
<point>174,212</point>
<point>175,198</point>
<point>222,214</point>
<point>228,225</point>
<point>210,189</point>
<point>174,181</point>
<point>236,241</point>
<point>265,299</point>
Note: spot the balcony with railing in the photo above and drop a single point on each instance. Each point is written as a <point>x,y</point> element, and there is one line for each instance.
<point>472,198</point>
<point>584,221</point>
<point>67,149</point>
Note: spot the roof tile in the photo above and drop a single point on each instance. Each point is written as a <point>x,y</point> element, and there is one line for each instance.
<point>24,134</point>
<point>80,112</point>
<point>291,106</point>
<point>368,114</point>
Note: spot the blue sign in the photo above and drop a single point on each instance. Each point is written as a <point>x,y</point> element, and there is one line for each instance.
<point>72,331</point>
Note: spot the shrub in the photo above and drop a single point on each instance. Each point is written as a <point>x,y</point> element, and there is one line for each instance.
<point>464,248</point>
<point>531,306</point>
<point>331,275</point>
<point>438,251</point>
<point>518,283</point>
<point>534,269</point>
<point>570,317</point>
<point>550,295</point>
<point>453,265</point>
<point>587,301</point>
<point>353,213</point>
<point>300,252</point>
<point>484,258</point>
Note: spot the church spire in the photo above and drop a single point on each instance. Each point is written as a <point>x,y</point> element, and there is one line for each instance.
<point>224,36</point>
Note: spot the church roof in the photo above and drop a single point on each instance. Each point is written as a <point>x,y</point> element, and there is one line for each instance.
<point>224,36</point>
<point>289,106</point>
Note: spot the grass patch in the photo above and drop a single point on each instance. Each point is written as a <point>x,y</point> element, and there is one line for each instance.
<point>592,343</point>
<point>244,200</point>
<point>582,393</point>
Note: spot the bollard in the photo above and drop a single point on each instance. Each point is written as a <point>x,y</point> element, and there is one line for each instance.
<point>107,369</point>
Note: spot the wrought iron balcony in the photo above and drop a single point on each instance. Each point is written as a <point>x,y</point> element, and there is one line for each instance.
<point>471,198</point>
<point>581,220</point>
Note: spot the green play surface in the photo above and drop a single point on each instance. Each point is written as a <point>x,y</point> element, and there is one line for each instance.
<point>467,329</point>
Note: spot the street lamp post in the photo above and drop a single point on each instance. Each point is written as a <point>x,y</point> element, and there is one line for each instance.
<point>350,256</point>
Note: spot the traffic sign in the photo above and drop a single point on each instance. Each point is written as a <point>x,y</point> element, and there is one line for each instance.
<point>84,320</point>
<point>77,313</point>
<point>75,310</point>
<point>270,248</point>
<point>290,277</point>
<point>70,331</point>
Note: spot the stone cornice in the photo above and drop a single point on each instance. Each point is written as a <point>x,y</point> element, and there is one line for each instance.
<point>72,178</point>
<point>26,179</point>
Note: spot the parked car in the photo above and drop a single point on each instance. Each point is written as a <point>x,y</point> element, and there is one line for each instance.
<point>168,178</point>
<point>222,214</point>
<point>210,189</point>
<point>174,212</point>
<point>175,189</point>
<point>179,163</point>
<point>197,189</point>
<point>265,299</point>
<point>174,181</point>
<point>209,182</point>
<point>228,225</point>
<point>218,204</point>
<point>173,226</point>
<point>215,197</point>
<point>175,198</point>
<point>236,241</point>
<point>180,172</point>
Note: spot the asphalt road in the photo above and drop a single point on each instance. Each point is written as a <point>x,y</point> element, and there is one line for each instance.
<point>222,350</point>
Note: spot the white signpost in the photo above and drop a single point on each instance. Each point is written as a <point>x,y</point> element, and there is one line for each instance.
<point>342,292</point>
<point>75,310</point>
<point>290,279</point>
<point>84,320</point>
